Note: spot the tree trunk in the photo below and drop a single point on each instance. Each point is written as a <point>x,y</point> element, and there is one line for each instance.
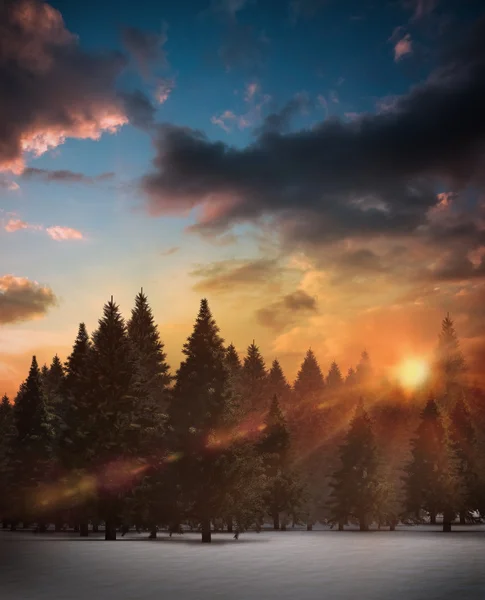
<point>462,517</point>
<point>42,527</point>
<point>341,525</point>
<point>84,529</point>
<point>76,528</point>
<point>95,528</point>
<point>283,527</point>
<point>206,531</point>
<point>229,525</point>
<point>110,530</point>
<point>13,526</point>
<point>392,526</point>
<point>276,521</point>
<point>363,523</point>
<point>5,524</point>
<point>309,526</point>
<point>153,533</point>
<point>432,518</point>
<point>447,519</point>
<point>58,526</point>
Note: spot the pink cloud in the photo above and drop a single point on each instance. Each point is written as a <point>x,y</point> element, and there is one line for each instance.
<point>164,89</point>
<point>251,90</point>
<point>403,47</point>
<point>61,234</point>
<point>16,225</point>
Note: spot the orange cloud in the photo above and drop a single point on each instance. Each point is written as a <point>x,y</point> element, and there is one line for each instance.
<point>61,234</point>
<point>22,299</point>
<point>403,47</point>
<point>16,225</point>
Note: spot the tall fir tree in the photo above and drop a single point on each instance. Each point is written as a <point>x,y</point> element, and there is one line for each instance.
<point>450,361</point>
<point>254,380</point>
<point>115,435</point>
<point>283,491</point>
<point>278,384</point>
<point>6,433</point>
<point>464,444</point>
<point>32,448</point>
<point>351,377</point>
<point>334,377</point>
<point>233,362</point>
<point>363,370</point>
<point>309,382</point>
<point>431,478</point>
<point>355,485</point>
<point>201,413</point>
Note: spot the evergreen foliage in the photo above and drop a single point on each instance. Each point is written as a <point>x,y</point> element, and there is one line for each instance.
<point>309,380</point>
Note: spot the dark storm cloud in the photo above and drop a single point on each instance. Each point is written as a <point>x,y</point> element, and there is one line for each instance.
<point>51,88</point>
<point>147,48</point>
<point>64,176</point>
<point>139,109</point>
<point>22,299</point>
<point>279,122</point>
<point>287,310</point>
<point>375,175</point>
<point>224,276</point>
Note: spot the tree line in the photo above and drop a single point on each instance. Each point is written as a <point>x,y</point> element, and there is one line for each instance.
<point>111,436</point>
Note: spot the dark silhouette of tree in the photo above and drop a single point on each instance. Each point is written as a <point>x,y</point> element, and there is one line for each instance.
<point>355,484</point>
<point>278,384</point>
<point>6,433</point>
<point>114,438</point>
<point>254,380</point>
<point>201,416</point>
<point>334,377</point>
<point>233,362</point>
<point>450,360</point>
<point>309,380</point>
<point>431,479</point>
<point>351,378</point>
<point>32,445</point>
<point>464,445</point>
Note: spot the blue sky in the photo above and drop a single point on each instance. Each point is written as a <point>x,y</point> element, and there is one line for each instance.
<point>226,66</point>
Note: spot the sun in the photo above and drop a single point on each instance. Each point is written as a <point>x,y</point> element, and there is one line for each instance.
<point>413,372</point>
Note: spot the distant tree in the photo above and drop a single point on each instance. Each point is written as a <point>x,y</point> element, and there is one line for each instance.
<point>351,377</point>
<point>355,485</point>
<point>450,359</point>
<point>283,488</point>
<point>364,369</point>
<point>309,381</point>
<point>233,362</point>
<point>115,435</point>
<point>254,380</point>
<point>278,384</point>
<point>334,377</point>
<point>464,444</point>
<point>202,418</point>
<point>32,447</point>
<point>431,478</point>
<point>6,434</point>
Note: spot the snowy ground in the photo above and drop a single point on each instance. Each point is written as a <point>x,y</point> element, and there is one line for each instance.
<point>411,563</point>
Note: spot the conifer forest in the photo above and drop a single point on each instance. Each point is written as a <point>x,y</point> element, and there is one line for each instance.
<point>113,439</point>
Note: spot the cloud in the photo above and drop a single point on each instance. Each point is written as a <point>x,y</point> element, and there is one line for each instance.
<point>64,176</point>
<point>287,310</point>
<point>279,122</point>
<point>16,225</point>
<point>147,48</point>
<point>9,184</point>
<point>164,88</point>
<point>51,88</point>
<point>420,8</point>
<point>403,47</point>
<point>229,119</point>
<point>228,8</point>
<point>376,175</point>
<point>61,234</point>
<point>305,8</point>
<point>139,109</point>
<point>225,276</point>
<point>22,299</point>
<point>170,251</point>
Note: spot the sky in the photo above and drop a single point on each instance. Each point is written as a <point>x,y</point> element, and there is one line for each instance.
<point>314,168</point>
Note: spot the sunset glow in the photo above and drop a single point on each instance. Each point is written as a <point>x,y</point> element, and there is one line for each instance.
<point>413,372</point>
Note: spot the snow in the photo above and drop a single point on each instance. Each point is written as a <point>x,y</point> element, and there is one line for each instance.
<point>411,563</point>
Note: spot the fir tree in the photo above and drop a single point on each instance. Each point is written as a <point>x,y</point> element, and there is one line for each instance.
<point>363,370</point>
<point>334,377</point>
<point>351,377</point>
<point>233,362</point>
<point>278,384</point>
<point>32,444</point>
<point>309,380</point>
<point>463,442</point>
<point>254,380</point>
<point>431,480</point>
<point>450,359</point>
<point>356,483</point>
<point>114,435</point>
<point>6,432</point>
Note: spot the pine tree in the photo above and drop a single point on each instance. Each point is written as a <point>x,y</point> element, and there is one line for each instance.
<point>114,435</point>
<point>212,466</point>
<point>364,370</point>
<point>233,362</point>
<point>283,493</point>
<point>463,442</point>
<point>254,380</point>
<point>450,359</point>
<point>431,480</point>
<point>355,484</point>
<point>32,444</point>
<point>309,380</point>
<point>278,384</point>
<point>6,433</point>
<point>334,377</point>
<point>351,377</point>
